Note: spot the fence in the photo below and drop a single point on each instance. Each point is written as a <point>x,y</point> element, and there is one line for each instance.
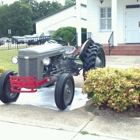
<point>20,42</point>
<point>10,46</point>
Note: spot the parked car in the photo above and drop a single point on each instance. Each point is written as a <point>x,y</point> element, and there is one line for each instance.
<point>18,40</point>
<point>1,42</point>
<point>5,39</point>
<point>37,39</point>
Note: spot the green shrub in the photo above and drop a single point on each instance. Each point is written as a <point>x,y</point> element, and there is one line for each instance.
<point>116,88</point>
<point>2,69</point>
<point>68,34</point>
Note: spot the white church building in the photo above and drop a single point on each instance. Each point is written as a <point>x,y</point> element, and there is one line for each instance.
<point>121,18</point>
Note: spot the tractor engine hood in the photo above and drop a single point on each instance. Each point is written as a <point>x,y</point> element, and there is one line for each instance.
<point>48,49</point>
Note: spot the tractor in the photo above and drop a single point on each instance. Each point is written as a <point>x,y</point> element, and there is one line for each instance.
<point>50,64</point>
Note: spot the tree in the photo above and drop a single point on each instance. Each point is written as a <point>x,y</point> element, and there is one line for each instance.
<point>20,19</point>
<point>68,2</point>
<point>46,8</point>
<point>34,5</point>
<point>43,8</point>
<point>20,16</point>
<point>4,11</point>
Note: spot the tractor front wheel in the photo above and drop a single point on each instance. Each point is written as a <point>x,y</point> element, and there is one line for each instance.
<point>6,95</point>
<point>64,91</point>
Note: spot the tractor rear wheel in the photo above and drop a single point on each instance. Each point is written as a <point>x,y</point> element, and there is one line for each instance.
<point>94,57</point>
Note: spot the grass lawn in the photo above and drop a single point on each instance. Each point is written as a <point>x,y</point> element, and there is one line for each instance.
<point>5,59</point>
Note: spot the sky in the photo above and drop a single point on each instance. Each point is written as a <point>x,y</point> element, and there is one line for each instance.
<point>12,1</point>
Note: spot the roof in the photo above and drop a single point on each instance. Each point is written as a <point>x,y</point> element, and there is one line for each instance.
<point>65,7</point>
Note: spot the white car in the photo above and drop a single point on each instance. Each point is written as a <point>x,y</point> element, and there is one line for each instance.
<point>5,39</point>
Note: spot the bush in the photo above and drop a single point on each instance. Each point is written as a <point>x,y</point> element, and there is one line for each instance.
<point>116,88</point>
<point>68,34</point>
<point>1,70</point>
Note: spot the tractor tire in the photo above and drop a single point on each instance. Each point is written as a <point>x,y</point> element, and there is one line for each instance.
<point>6,96</point>
<point>64,91</point>
<point>94,57</point>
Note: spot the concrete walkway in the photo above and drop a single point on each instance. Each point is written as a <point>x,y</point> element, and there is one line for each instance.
<point>123,61</point>
<point>115,61</point>
<point>30,122</point>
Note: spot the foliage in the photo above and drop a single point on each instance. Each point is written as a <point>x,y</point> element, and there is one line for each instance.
<point>4,24</point>
<point>2,69</point>
<point>16,17</point>
<point>33,4</point>
<point>42,8</point>
<point>85,133</point>
<point>114,87</point>
<point>84,35</point>
<point>68,2</point>
<point>68,34</point>
<point>20,16</point>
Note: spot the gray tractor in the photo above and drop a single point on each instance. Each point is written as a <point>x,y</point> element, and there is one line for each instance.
<point>47,65</point>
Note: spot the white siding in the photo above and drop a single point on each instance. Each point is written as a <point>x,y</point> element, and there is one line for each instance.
<point>64,18</point>
<point>93,8</point>
<point>121,22</point>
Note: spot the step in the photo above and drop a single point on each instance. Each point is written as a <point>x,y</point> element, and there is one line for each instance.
<point>130,49</point>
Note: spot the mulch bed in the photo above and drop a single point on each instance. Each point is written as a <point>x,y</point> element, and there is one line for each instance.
<point>105,111</point>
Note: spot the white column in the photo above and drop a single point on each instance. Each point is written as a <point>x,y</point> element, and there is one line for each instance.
<point>114,20</point>
<point>78,22</point>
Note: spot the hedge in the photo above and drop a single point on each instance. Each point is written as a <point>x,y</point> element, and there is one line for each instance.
<point>116,88</point>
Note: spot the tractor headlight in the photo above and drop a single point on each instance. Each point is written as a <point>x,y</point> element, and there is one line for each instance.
<point>46,61</point>
<point>15,59</point>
